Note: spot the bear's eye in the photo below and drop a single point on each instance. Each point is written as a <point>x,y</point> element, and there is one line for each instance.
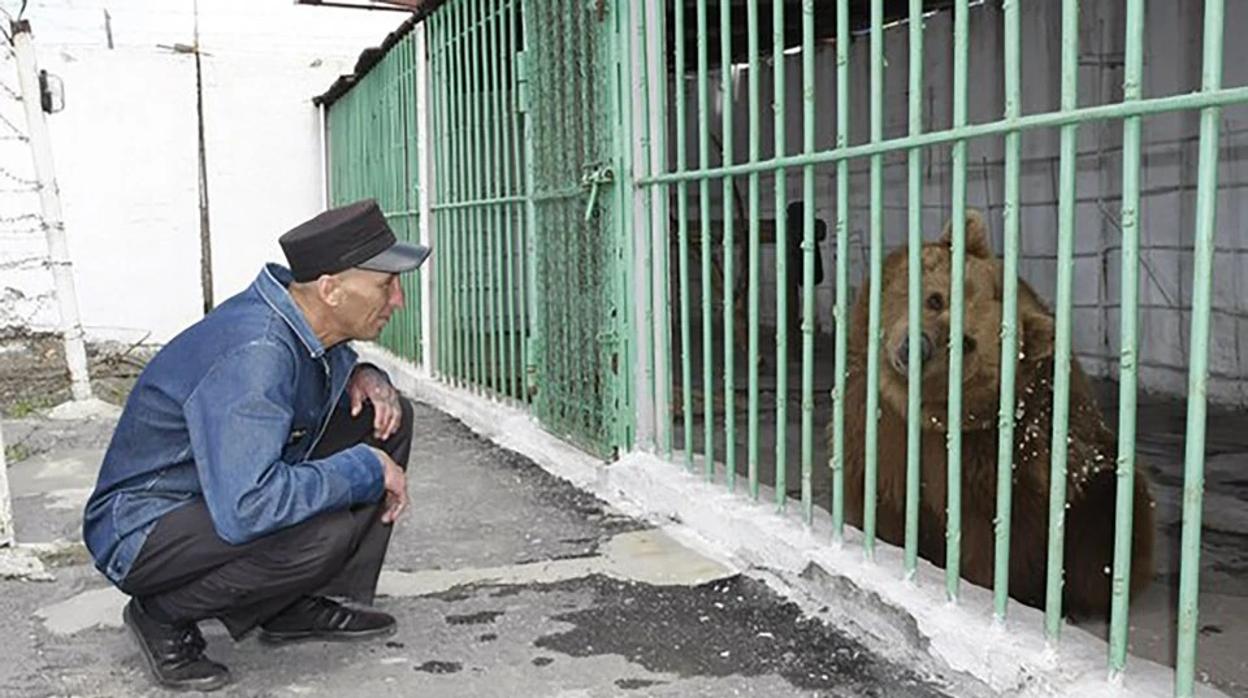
<point>935,302</point>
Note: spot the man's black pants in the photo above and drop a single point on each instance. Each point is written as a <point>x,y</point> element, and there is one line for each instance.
<point>185,572</point>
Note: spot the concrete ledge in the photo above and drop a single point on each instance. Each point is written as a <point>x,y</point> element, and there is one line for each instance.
<point>910,620</point>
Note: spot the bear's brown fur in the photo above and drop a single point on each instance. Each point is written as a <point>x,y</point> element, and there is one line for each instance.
<point>1091,482</point>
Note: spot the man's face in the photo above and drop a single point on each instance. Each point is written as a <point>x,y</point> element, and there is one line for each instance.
<point>366,301</point>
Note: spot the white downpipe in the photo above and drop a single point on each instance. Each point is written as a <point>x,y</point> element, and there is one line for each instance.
<point>423,189</point>
<point>323,136</point>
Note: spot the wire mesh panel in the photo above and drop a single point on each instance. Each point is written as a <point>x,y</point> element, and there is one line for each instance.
<point>373,144</point>
<point>480,225</point>
<point>570,133</point>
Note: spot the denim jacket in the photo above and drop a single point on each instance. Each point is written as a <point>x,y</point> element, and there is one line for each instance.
<point>230,410</point>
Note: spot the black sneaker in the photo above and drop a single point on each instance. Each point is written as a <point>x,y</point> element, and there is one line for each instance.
<point>319,618</point>
<point>174,653</point>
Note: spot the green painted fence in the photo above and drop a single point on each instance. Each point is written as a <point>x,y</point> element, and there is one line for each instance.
<point>554,283</point>
<point>480,228</point>
<point>1068,118</point>
<point>373,153</point>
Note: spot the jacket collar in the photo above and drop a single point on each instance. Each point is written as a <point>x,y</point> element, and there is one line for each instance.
<point>272,285</point>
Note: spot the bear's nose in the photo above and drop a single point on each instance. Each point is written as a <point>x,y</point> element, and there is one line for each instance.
<point>903,350</point>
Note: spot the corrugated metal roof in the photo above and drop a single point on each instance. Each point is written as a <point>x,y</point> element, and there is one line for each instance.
<point>370,56</point>
<point>825,28</point>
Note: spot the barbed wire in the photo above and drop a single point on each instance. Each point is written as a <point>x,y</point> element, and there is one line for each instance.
<point>32,184</point>
<point>17,308</point>
<point>26,263</point>
<point>17,132</point>
<point>19,218</point>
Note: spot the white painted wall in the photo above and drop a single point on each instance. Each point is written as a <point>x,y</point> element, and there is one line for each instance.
<point>1172,66</point>
<point>126,149</point>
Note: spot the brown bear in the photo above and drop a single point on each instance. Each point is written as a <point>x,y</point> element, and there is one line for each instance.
<point>1091,479</point>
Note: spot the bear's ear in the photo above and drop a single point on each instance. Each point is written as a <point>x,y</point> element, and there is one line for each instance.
<point>1038,331</point>
<point>976,235</point>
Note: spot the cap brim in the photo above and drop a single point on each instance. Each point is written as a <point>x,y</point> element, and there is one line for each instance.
<point>397,258</point>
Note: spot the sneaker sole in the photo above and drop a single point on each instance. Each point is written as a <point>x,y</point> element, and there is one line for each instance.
<point>199,685</point>
<point>273,638</point>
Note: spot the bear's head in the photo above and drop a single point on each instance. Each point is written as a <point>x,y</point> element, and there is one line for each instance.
<point>981,335</point>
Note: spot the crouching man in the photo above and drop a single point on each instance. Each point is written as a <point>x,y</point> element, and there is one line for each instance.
<point>256,470</point>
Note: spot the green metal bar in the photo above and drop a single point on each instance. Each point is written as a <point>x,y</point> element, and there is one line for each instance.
<point>479,323</point>
<point>842,272</point>
<point>556,246</point>
<point>704,208</point>
<point>438,82</point>
<point>1133,68</point>
<point>496,215</point>
<point>914,378</point>
<point>647,234</point>
<point>533,319</point>
<point>465,216</point>
<point>438,121</point>
<point>523,153</point>
<point>491,201</point>
<point>624,149</point>
<point>660,236</point>
<point>506,105</point>
<point>444,223</point>
<point>730,390</point>
<point>482,256</point>
<point>876,233</point>
<point>782,254</point>
<point>957,291</point>
<point>1009,316</point>
<point>1198,369</point>
<point>1105,112</point>
<point>1062,335</point>
<point>808,262</point>
<point>625,414</point>
<point>682,233</point>
<point>751,23</point>
<point>459,169</point>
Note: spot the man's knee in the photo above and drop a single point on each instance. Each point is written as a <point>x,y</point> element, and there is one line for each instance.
<point>317,548</point>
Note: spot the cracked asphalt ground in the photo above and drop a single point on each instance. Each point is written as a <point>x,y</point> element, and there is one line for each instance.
<point>506,582</point>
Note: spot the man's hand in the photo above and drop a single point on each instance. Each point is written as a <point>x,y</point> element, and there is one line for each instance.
<point>396,487</point>
<point>368,383</point>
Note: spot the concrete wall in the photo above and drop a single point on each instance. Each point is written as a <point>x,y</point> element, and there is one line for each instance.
<point>1172,66</point>
<point>127,154</point>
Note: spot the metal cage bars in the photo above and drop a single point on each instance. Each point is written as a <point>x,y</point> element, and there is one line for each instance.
<point>1067,119</point>
<point>487,284</point>
<point>374,148</point>
<point>480,217</point>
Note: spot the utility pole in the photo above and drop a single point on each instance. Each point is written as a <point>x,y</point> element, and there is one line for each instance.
<point>50,203</point>
<point>205,234</point>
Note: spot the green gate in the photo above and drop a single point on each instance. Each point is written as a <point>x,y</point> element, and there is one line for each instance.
<point>526,218</point>
<point>373,149</point>
<point>570,97</point>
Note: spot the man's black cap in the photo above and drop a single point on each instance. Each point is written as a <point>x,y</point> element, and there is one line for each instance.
<point>355,235</point>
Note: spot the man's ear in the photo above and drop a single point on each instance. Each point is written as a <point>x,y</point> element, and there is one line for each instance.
<point>977,244</point>
<point>1037,333</point>
<point>329,289</point>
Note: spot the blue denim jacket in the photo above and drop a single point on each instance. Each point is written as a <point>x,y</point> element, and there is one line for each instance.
<point>229,410</point>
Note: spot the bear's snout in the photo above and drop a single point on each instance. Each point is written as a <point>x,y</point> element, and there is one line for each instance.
<point>901,357</point>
